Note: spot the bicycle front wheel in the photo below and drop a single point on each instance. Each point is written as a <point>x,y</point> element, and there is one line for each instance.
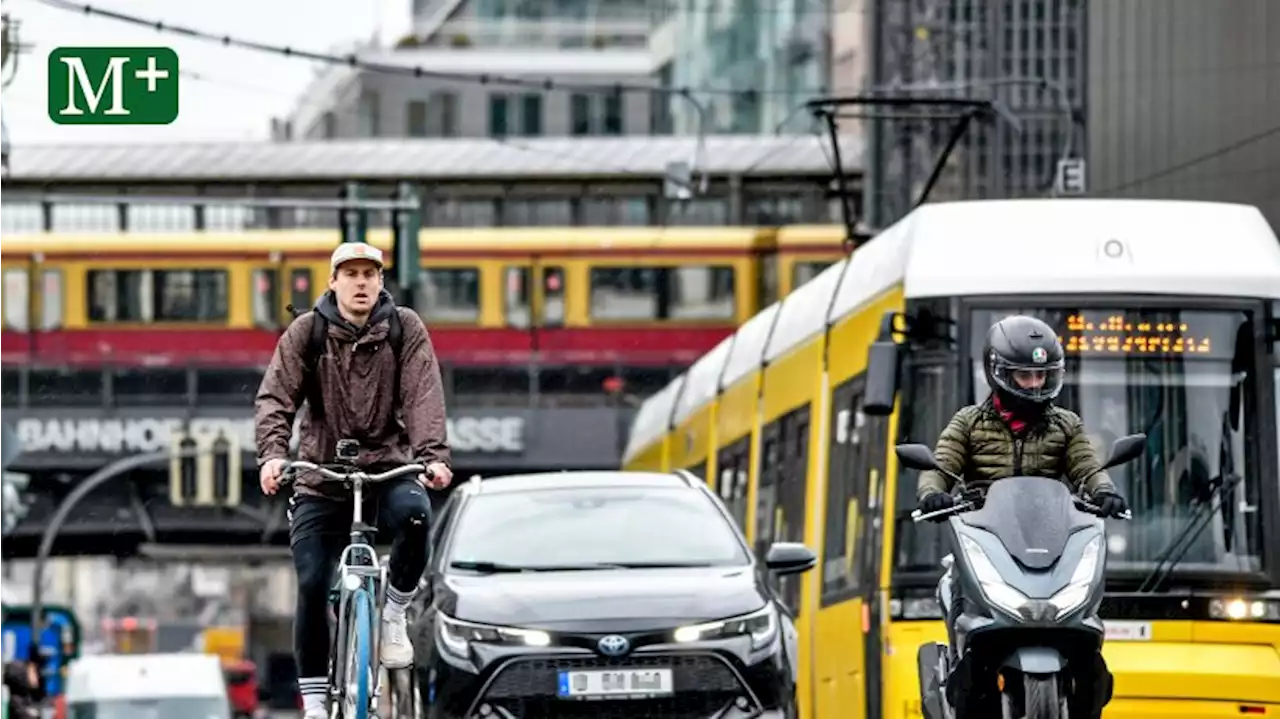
<point>359,649</point>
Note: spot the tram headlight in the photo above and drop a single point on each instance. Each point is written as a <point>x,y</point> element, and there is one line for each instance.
<point>993,585</point>
<point>1070,597</point>
<point>1245,609</point>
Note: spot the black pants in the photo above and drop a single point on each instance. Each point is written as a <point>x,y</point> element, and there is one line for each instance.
<point>320,528</point>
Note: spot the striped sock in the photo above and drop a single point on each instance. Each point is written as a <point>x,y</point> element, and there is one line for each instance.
<point>397,602</point>
<point>313,691</point>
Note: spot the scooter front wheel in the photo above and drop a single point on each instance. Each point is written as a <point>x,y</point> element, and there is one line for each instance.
<point>1042,698</point>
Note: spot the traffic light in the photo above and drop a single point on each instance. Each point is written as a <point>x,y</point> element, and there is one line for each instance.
<point>204,472</point>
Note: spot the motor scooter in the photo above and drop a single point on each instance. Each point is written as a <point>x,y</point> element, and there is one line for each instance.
<point>1020,593</point>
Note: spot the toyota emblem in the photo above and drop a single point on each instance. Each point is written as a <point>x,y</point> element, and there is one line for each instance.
<point>613,645</point>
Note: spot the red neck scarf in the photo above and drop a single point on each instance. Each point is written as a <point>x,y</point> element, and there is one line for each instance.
<point>1015,424</point>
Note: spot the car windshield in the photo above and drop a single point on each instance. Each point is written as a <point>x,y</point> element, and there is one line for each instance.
<point>152,708</point>
<point>585,526</point>
<point>1178,377</point>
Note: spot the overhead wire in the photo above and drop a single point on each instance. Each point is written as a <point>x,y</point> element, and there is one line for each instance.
<point>1197,160</point>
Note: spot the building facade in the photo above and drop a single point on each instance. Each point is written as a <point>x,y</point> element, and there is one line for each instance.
<point>752,64</point>
<point>597,43</point>
<point>1184,101</point>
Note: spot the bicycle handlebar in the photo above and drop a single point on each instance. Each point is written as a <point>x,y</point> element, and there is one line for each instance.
<point>290,471</point>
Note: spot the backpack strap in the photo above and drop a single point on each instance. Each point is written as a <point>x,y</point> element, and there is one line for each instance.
<point>311,363</point>
<point>395,338</point>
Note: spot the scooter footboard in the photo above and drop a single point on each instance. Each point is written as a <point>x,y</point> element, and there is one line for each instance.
<point>1036,660</point>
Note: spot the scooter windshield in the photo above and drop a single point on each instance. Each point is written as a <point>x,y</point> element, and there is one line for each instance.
<point>1032,517</point>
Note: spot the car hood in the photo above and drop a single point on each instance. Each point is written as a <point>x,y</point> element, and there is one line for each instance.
<point>622,600</point>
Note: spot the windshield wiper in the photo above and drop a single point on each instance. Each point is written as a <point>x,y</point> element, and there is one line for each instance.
<point>1201,519</point>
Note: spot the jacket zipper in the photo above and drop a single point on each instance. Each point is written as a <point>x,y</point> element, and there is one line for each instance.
<point>1017,458</point>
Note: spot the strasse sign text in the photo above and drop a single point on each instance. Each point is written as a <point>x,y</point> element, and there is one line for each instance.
<point>89,435</point>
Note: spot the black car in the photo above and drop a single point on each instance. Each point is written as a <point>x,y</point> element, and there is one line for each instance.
<point>600,595</point>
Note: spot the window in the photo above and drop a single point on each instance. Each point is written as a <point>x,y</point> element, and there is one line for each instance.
<point>580,114</point>
<point>157,295</point>
<point>1198,410</point>
<point>498,115</point>
<point>328,125</point>
<point>447,103</point>
<point>51,300</point>
<point>517,300</point>
<point>613,113</point>
<point>370,114</point>
<point>300,294</point>
<point>264,298</point>
<point>452,294</point>
<point>734,467</point>
<point>17,298</point>
<point>553,297</point>
<point>531,115</point>
<point>415,122</point>
<point>624,524</point>
<point>190,295</point>
<point>662,293</point>
<point>802,272</point>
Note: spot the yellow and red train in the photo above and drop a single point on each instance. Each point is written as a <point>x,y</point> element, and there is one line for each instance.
<point>581,295</point>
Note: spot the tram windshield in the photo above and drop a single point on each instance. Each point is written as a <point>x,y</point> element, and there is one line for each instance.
<point>1185,378</point>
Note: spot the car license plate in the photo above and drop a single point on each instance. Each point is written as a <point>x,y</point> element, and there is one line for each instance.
<point>616,683</point>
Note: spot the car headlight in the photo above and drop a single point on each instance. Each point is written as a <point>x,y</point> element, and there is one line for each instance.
<point>457,636</point>
<point>1070,597</point>
<point>761,625</point>
<point>993,586</point>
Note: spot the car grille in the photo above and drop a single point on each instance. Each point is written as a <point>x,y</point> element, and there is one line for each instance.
<point>704,684</point>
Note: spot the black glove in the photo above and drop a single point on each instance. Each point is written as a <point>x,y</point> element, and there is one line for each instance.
<point>936,502</point>
<point>1110,504</point>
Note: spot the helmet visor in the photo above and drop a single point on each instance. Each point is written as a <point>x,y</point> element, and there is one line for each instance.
<point>1037,383</point>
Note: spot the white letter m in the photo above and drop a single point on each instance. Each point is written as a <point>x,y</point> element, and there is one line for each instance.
<point>76,74</point>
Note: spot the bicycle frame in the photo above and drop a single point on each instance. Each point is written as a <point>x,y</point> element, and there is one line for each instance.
<point>359,560</point>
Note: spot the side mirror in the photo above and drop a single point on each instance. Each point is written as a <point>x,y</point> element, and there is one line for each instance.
<point>1126,449</point>
<point>790,558</point>
<point>916,456</point>
<point>882,378</point>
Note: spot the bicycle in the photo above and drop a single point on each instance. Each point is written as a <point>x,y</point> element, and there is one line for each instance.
<point>357,600</point>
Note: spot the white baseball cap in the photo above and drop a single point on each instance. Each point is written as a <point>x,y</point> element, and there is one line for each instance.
<point>348,251</point>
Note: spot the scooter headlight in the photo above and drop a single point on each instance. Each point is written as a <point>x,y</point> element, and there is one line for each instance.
<point>993,585</point>
<point>1076,592</point>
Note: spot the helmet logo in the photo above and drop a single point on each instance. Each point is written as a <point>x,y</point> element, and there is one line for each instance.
<point>1039,356</point>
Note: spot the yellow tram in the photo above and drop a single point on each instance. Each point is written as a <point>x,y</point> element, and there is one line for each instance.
<point>1170,314</point>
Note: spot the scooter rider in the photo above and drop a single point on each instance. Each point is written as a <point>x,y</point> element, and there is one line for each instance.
<point>1017,431</point>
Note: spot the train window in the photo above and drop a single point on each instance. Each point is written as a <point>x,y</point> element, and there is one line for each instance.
<point>660,293</point>
<point>11,387</point>
<point>17,298</point>
<point>553,296</point>
<point>65,388</point>
<point>265,298</point>
<point>802,272</point>
<point>51,300</point>
<point>159,295</point>
<point>300,294</point>
<point>452,294</point>
<point>227,387</point>
<point>153,385</point>
<point>190,295</point>
<point>502,386</point>
<point>516,298</point>
<point>839,571</point>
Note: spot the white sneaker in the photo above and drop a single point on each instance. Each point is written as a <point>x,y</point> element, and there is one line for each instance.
<point>316,713</point>
<point>397,651</point>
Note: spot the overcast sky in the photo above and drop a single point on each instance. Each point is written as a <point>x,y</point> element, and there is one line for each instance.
<point>240,91</point>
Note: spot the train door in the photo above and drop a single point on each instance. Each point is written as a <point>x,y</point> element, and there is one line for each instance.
<point>780,502</point>
<point>302,290</point>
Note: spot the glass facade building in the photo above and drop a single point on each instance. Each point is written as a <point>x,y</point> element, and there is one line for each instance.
<point>762,58</point>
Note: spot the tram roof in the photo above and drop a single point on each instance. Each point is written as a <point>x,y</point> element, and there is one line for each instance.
<point>1025,247</point>
<point>653,419</point>
<point>438,159</point>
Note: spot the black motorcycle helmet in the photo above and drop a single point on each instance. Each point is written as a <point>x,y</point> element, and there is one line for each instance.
<point>1024,363</point>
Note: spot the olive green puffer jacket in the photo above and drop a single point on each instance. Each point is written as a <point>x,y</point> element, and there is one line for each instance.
<point>980,447</point>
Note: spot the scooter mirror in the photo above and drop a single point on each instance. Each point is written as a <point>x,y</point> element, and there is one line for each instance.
<point>916,456</point>
<point>1126,449</point>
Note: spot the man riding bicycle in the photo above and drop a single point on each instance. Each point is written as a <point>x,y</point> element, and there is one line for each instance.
<point>384,390</point>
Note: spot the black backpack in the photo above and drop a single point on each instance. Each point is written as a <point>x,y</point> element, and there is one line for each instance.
<point>315,348</point>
